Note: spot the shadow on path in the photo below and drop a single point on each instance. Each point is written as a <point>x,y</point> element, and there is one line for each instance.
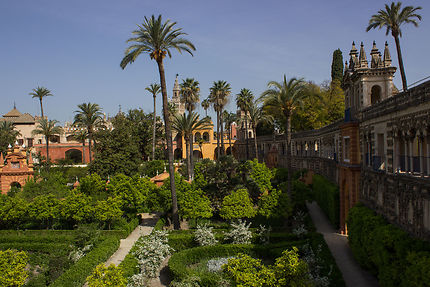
<point>353,274</point>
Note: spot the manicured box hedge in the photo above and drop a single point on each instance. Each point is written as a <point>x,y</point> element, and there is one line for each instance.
<point>391,254</point>
<point>78,273</point>
<point>326,194</point>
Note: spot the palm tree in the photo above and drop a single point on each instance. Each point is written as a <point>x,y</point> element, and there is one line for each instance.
<point>256,116</point>
<point>392,18</point>
<point>186,125</point>
<point>205,105</point>
<point>190,93</point>
<point>40,93</point>
<point>156,38</point>
<point>47,128</point>
<point>90,117</point>
<point>81,135</point>
<point>219,93</point>
<point>154,89</point>
<point>280,101</point>
<point>243,100</point>
<point>8,135</point>
<point>229,119</point>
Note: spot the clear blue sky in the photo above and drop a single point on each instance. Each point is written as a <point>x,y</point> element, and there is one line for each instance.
<point>74,47</point>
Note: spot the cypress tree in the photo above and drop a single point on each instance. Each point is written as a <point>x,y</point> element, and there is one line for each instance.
<point>337,66</point>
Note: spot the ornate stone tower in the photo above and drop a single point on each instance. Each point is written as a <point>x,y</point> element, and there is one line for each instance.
<point>364,85</point>
<point>15,169</point>
<point>176,99</point>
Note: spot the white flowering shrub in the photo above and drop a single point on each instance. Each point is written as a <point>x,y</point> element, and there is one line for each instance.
<point>300,230</point>
<point>215,265</point>
<point>314,262</point>
<point>77,253</point>
<point>299,217</point>
<point>204,235</point>
<point>263,234</point>
<point>192,281</point>
<point>239,233</point>
<point>299,224</point>
<point>150,254</point>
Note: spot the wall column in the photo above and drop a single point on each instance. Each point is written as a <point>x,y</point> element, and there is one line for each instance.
<point>428,156</point>
<point>395,158</point>
<point>406,155</point>
<point>411,157</point>
<point>421,146</point>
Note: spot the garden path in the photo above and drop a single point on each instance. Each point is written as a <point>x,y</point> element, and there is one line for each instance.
<point>353,274</point>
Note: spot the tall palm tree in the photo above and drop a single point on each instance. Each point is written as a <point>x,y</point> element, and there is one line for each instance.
<point>219,94</point>
<point>280,100</point>
<point>8,135</point>
<point>205,105</point>
<point>157,38</point>
<point>90,117</point>
<point>186,125</point>
<point>256,116</point>
<point>81,135</point>
<point>47,128</point>
<point>392,18</point>
<point>243,100</point>
<point>190,93</point>
<point>154,89</point>
<point>40,93</point>
<point>229,119</point>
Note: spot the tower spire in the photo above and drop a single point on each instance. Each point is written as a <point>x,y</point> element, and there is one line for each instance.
<point>363,58</point>
<point>353,59</point>
<point>375,57</point>
<point>387,56</point>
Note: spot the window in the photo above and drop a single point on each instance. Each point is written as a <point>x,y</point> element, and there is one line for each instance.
<point>29,142</point>
<point>346,146</point>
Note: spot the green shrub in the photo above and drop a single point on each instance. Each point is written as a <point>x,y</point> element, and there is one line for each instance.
<point>12,268</point>
<point>327,196</point>
<point>106,276</point>
<point>237,205</point>
<point>77,274</point>
<point>387,251</point>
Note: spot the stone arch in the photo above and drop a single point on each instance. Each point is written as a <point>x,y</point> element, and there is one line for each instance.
<point>178,153</point>
<point>15,184</point>
<point>250,134</point>
<point>375,94</point>
<point>206,136</point>
<point>197,136</point>
<point>74,155</point>
<point>197,154</point>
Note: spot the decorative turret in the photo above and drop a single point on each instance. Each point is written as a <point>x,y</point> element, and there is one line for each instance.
<point>176,100</point>
<point>30,161</point>
<point>176,89</point>
<point>363,58</point>
<point>387,56</point>
<point>376,61</point>
<point>1,160</point>
<point>353,59</point>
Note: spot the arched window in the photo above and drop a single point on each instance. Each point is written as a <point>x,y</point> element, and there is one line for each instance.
<point>197,136</point>
<point>375,95</point>
<point>206,136</point>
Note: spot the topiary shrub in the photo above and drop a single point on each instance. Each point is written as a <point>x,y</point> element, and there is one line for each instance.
<point>237,205</point>
<point>106,276</point>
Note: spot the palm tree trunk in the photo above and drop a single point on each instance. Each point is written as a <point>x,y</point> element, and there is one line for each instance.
<point>246,135</point>
<point>41,107</point>
<point>229,139</point>
<point>168,130</point>
<point>400,58</point>
<point>47,150</point>
<point>222,132</point>
<point>289,164</point>
<point>191,143</point>
<point>90,136</point>
<point>83,152</point>
<point>217,135</point>
<point>153,133</point>
<point>187,150</point>
<point>254,129</point>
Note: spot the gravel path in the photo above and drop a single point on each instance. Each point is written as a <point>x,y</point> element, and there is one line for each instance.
<point>353,274</point>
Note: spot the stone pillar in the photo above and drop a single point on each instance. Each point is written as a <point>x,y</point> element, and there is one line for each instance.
<point>411,157</point>
<point>395,158</point>
<point>406,155</point>
<point>428,157</point>
<point>421,146</point>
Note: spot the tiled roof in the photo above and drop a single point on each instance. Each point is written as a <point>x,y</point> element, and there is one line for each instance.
<point>13,113</point>
<point>16,117</point>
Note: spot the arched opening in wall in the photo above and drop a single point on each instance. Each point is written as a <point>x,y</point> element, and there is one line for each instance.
<point>250,135</point>
<point>216,153</point>
<point>15,185</point>
<point>206,136</point>
<point>178,153</point>
<point>197,137</point>
<point>375,94</point>
<point>197,155</point>
<point>74,155</point>
<point>178,139</point>
<point>228,151</point>
<point>54,139</point>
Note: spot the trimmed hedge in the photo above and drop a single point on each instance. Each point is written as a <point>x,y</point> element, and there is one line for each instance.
<point>78,273</point>
<point>327,196</point>
<point>391,254</point>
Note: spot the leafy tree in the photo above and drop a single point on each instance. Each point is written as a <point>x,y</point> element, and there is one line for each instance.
<point>47,128</point>
<point>392,18</point>
<point>194,204</point>
<point>76,207</point>
<point>275,204</point>
<point>12,268</point>
<point>90,117</point>
<point>243,101</point>
<point>186,125</point>
<point>108,210</point>
<point>280,100</point>
<point>152,168</point>
<point>157,38</point>
<point>13,211</point>
<point>154,89</point>
<point>290,270</point>
<point>8,135</point>
<point>337,66</point>
<point>125,188</point>
<point>44,209</point>
<point>219,94</point>
<point>103,276</point>
<point>258,175</point>
<point>116,150</point>
<point>93,185</point>
<point>237,205</point>
<point>45,183</point>
<point>40,93</point>
<point>256,116</point>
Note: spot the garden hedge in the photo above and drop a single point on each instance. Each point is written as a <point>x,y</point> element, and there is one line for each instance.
<point>326,194</point>
<point>78,273</point>
<point>391,254</point>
